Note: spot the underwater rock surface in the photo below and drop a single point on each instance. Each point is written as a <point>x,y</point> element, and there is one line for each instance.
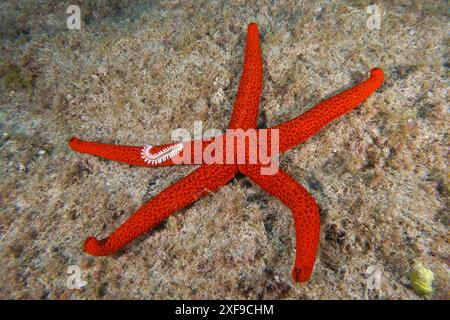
<point>135,71</point>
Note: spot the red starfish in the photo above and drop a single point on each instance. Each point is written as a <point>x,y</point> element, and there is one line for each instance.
<point>209,177</point>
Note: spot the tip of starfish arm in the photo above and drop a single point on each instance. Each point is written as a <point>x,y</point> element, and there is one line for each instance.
<point>252,25</point>
<point>377,73</point>
<point>74,142</point>
<point>301,274</point>
<point>93,247</point>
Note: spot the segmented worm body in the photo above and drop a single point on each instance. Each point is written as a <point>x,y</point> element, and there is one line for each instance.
<point>162,155</point>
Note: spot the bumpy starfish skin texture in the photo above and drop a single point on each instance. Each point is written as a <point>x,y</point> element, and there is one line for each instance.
<point>209,177</point>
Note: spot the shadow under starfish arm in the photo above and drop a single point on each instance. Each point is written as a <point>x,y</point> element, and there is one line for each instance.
<point>304,211</point>
<point>202,181</point>
<point>299,129</point>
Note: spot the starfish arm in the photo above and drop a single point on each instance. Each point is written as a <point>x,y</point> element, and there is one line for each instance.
<point>304,126</point>
<point>245,110</point>
<point>205,179</point>
<point>304,210</point>
<point>133,154</point>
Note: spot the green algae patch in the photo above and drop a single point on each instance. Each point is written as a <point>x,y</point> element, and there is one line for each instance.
<point>15,78</point>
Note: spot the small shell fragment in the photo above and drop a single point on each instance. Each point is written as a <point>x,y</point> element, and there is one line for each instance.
<point>421,279</point>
